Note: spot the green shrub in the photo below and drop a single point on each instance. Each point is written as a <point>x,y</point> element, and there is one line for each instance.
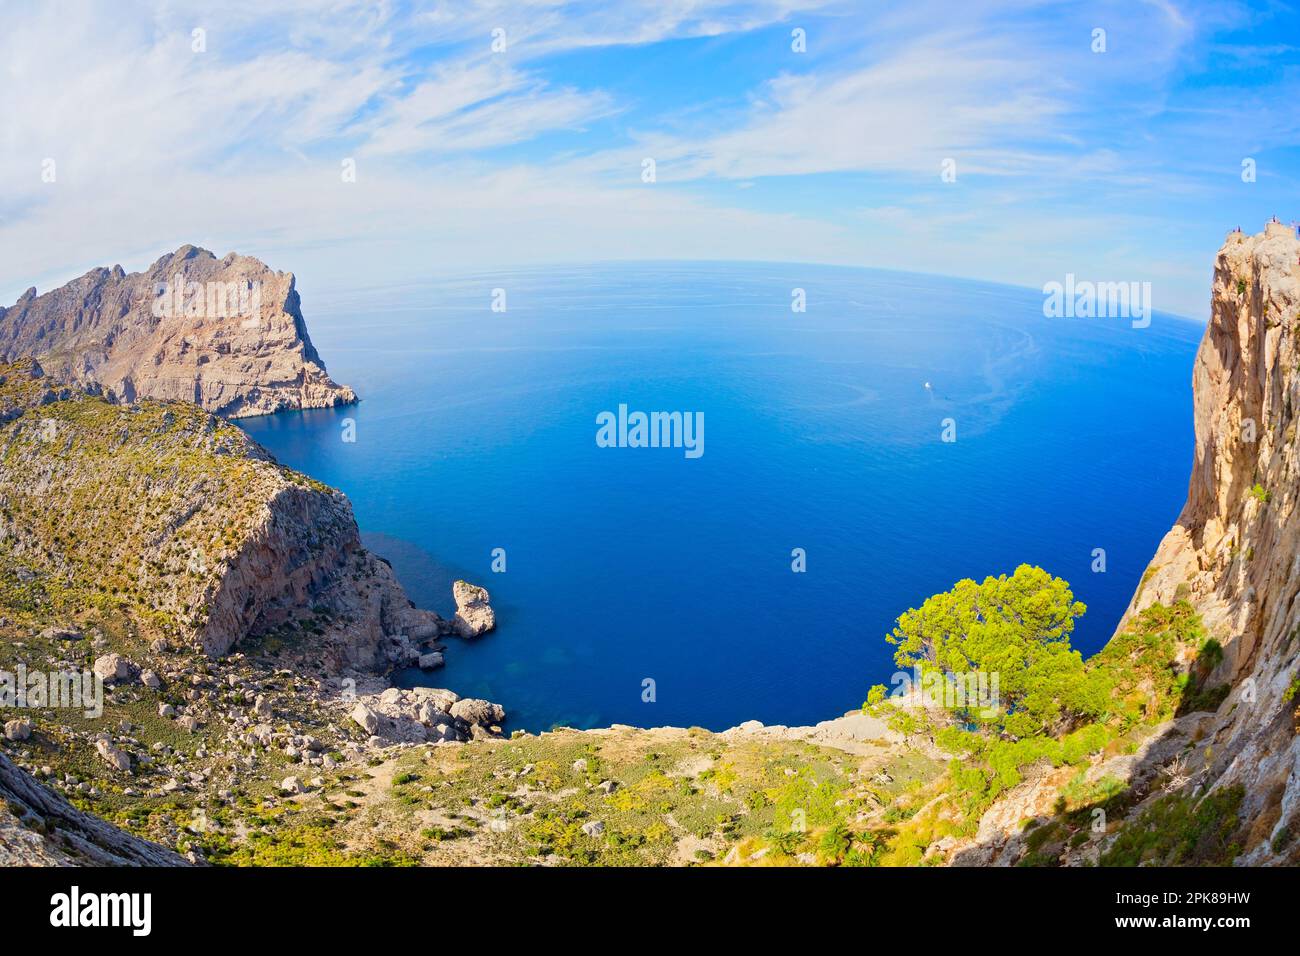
<point>1178,830</point>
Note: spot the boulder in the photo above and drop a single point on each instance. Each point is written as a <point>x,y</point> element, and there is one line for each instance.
<point>430,660</point>
<point>440,698</point>
<point>366,717</point>
<point>444,734</point>
<point>429,715</point>
<point>475,711</point>
<point>150,679</point>
<point>112,667</point>
<point>115,757</point>
<point>404,730</point>
<point>18,729</point>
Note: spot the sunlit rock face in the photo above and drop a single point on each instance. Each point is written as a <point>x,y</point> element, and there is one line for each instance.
<point>227,334</point>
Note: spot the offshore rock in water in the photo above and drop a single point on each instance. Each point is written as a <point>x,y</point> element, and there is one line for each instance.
<point>473,615</point>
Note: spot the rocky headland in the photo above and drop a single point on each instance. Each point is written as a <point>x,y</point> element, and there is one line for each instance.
<point>226,334</point>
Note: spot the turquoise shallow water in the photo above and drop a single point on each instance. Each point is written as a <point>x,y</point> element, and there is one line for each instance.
<point>477,431</point>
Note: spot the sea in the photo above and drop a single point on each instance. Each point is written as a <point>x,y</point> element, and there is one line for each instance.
<point>866,439</point>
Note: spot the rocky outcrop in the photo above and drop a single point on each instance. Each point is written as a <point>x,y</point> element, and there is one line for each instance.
<point>426,715</point>
<point>1234,550</point>
<point>227,334</point>
<point>168,509</point>
<point>855,732</point>
<point>474,616</point>
<point>40,828</point>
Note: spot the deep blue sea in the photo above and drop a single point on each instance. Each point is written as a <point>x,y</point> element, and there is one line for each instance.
<point>477,430</point>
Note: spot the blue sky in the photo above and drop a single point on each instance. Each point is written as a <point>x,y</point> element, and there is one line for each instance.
<point>1122,165</point>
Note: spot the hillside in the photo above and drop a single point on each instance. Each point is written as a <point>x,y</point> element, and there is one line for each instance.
<point>225,601</point>
<point>1232,553</point>
<point>165,512</point>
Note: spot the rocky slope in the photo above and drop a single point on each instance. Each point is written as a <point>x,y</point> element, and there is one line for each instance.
<point>226,334</point>
<point>40,828</point>
<point>232,613</point>
<point>1218,779</point>
<point>168,512</point>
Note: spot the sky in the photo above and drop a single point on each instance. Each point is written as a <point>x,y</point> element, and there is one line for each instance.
<point>487,135</point>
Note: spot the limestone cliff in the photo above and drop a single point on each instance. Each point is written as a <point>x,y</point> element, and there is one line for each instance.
<point>1218,778</point>
<point>227,334</point>
<point>168,513</point>
<point>1234,553</point>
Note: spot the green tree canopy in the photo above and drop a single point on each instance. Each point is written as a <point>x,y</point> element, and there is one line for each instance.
<point>1016,627</point>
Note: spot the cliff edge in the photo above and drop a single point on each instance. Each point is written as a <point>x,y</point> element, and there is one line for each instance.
<point>1234,553</point>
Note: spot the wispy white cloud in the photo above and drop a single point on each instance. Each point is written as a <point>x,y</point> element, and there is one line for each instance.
<point>1063,156</point>
<point>480,106</point>
<point>942,97</point>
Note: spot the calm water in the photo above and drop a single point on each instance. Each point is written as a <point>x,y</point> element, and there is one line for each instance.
<point>477,431</point>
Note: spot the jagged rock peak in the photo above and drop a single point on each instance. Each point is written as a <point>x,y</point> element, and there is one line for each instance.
<point>227,334</point>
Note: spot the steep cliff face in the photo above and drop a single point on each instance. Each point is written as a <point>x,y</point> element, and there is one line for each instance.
<point>1235,550</point>
<point>226,334</point>
<point>166,512</point>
